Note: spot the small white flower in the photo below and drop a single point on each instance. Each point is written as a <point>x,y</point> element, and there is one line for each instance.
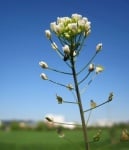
<point>43,64</point>
<point>99,69</point>
<point>63,20</point>
<point>73,27</point>
<point>43,76</point>
<point>77,16</point>
<point>98,47</point>
<point>82,22</point>
<point>87,25</point>
<point>58,28</point>
<point>85,19</point>
<point>48,34</point>
<point>66,49</point>
<point>52,26</point>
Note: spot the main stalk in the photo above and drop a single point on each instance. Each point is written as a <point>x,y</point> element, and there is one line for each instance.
<point>84,128</point>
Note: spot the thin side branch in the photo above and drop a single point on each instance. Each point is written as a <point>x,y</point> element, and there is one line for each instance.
<point>87,63</point>
<point>58,83</point>
<point>60,71</point>
<point>70,102</point>
<point>107,101</point>
<point>84,78</point>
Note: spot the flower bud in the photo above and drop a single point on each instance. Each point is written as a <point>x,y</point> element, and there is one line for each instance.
<point>48,34</point>
<point>43,64</point>
<point>43,76</point>
<point>66,49</point>
<point>91,67</point>
<point>98,47</point>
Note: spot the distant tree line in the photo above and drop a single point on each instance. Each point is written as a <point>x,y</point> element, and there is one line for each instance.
<point>15,125</point>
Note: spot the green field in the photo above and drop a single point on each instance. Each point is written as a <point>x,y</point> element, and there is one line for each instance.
<point>49,140</point>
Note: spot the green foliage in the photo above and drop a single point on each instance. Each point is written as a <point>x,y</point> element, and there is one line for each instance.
<point>14,125</point>
<point>40,126</point>
<point>73,140</point>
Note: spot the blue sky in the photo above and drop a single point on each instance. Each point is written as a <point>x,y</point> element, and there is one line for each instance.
<point>24,95</point>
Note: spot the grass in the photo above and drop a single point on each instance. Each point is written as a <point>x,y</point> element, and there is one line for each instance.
<point>49,140</point>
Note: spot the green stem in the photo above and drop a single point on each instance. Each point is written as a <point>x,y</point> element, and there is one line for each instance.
<point>58,83</point>
<point>67,73</point>
<point>107,101</point>
<point>89,117</point>
<point>87,64</point>
<point>70,102</point>
<point>84,78</point>
<point>84,127</point>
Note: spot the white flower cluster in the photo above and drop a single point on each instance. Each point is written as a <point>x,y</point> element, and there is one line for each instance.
<point>69,27</point>
<point>71,32</point>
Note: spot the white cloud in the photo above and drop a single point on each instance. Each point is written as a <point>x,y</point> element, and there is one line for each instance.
<point>59,120</point>
<point>103,123</point>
